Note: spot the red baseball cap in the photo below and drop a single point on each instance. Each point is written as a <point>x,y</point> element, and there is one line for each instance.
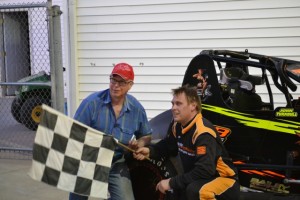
<point>124,70</point>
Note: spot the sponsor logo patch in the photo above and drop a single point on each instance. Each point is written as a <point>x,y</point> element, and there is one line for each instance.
<point>201,150</point>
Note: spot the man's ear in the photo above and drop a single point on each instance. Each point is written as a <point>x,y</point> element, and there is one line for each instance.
<point>194,106</point>
<point>130,85</point>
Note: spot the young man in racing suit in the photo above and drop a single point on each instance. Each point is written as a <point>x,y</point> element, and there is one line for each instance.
<point>208,171</point>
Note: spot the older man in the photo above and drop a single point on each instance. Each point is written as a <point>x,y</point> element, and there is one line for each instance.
<point>117,113</point>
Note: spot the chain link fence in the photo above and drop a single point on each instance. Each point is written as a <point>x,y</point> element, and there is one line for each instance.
<point>25,80</point>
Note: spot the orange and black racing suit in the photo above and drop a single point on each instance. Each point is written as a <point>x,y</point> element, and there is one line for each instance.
<point>208,170</point>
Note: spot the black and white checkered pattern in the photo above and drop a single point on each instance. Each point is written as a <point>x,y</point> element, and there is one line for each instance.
<point>71,156</point>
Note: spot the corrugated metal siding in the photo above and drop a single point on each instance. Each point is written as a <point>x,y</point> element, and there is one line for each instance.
<point>160,37</point>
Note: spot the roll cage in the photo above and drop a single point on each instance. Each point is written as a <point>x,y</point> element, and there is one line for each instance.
<point>282,71</point>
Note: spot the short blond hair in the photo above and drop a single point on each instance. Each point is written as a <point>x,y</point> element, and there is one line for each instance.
<point>191,95</point>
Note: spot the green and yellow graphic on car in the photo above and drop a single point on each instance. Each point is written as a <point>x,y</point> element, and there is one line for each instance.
<point>250,120</point>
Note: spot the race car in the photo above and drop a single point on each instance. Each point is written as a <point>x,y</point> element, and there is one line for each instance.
<point>238,91</point>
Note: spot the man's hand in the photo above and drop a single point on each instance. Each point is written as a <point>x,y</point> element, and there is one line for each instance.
<point>144,141</point>
<point>141,153</point>
<point>133,144</point>
<point>163,186</point>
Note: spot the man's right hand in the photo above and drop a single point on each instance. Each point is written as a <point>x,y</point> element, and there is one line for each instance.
<point>141,153</point>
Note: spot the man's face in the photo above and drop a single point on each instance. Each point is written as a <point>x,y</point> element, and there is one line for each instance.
<point>118,86</point>
<point>182,111</point>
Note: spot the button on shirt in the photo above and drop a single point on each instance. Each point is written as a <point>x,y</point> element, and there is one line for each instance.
<point>96,111</point>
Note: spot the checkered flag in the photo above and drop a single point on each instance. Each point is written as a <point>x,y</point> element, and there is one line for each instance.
<point>71,156</point>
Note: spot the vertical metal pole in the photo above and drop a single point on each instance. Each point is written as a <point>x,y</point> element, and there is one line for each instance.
<point>58,59</point>
<point>55,49</point>
<point>2,56</point>
<point>51,53</point>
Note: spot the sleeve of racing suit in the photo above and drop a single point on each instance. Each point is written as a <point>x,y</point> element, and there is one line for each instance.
<point>166,147</point>
<point>205,163</point>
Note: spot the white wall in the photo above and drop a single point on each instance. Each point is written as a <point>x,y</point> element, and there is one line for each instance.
<point>160,37</point>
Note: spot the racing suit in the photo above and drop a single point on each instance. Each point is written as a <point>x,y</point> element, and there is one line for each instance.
<point>208,172</point>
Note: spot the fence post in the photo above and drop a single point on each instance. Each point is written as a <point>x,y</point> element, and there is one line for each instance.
<point>55,48</point>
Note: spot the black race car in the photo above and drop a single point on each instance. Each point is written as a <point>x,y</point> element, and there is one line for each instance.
<point>238,92</point>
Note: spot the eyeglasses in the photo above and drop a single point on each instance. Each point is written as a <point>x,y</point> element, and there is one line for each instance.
<point>121,83</point>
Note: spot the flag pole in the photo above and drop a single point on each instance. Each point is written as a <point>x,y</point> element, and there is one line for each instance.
<point>129,149</point>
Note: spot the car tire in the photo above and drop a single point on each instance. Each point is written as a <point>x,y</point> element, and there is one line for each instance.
<point>15,109</point>
<point>31,110</point>
<point>146,174</point>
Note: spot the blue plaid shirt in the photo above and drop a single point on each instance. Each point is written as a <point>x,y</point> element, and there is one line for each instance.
<point>96,111</point>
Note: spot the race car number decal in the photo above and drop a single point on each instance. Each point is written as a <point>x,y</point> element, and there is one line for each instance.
<point>224,132</point>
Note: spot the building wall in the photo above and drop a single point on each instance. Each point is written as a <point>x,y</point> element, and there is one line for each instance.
<point>160,37</point>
